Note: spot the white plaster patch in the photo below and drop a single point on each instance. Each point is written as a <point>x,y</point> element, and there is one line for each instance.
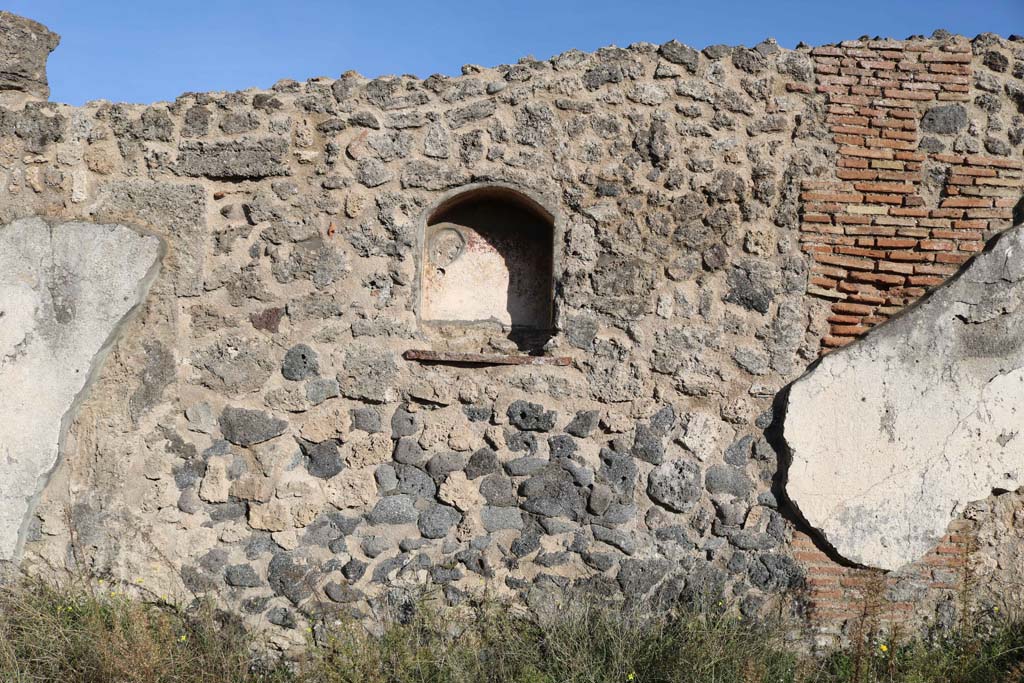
<point>64,292</point>
<point>18,305</point>
<point>892,436</point>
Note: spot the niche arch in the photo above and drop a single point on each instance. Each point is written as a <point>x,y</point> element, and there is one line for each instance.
<point>488,257</point>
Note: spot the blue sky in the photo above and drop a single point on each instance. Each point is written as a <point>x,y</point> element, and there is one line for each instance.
<point>146,51</point>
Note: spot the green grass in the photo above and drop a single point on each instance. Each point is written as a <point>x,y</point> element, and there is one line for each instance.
<point>89,634</point>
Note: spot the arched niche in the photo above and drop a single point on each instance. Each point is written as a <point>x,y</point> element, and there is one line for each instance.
<point>488,257</point>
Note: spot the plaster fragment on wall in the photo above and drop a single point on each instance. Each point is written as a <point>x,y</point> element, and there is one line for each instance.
<point>892,436</point>
<point>65,291</point>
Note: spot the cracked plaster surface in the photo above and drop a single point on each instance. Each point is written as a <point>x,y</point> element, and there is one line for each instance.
<point>892,436</point>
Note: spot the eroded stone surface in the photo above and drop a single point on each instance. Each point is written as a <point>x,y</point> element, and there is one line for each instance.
<point>24,47</point>
<point>64,292</point>
<point>893,436</point>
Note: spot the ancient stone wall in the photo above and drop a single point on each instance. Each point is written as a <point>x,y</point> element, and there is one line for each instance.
<point>258,432</point>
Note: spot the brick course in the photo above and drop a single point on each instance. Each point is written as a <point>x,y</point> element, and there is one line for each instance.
<point>876,94</point>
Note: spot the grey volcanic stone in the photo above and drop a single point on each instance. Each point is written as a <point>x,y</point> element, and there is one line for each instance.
<point>415,482</point>
<point>716,51</point>
<point>323,460</point>
<point>675,485</point>
<point>200,418</point>
<point>663,421</point>
<point>437,520</point>
<point>189,502</point>
<point>301,362</point>
<point>602,562</point>
<point>239,122</point>
<point>618,470</point>
<point>329,527</point>
<point>404,423</point>
<point>747,539</point>
<point>386,477</point>
<point>242,576</point>
<point>408,451</point>
<point>373,546</point>
<point>561,446</point>
<point>580,331</point>
<point>282,616</point>
<point>244,427</point>
<point>739,451</point>
<point>583,423</point>
<point>521,467</point>
<point>531,416</point>
<point>753,284</point>
<point>436,142</point>
<point>394,510</point>
<point>647,445</point>
<point>528,540</point>
<point>498,518</point>
<point>497,490</point>
<point>157,375</point>
<point>288,577</point>
<point>65,292</point>
<point>443,464</point>
<point>473,112</point>
<point>677,53</point>
<point>354,569</point>
<point>25,46</point>
<point>946,119</point>
<point>601,498</point>
<point>892,437</point>
<point>234,160</point>
<point>522,441</point>
<point>372,172</point>
<point>748,60</point>
<point>774,573</point>
<point>553,493</point>
<point>366,419</point>
<point>341,593</point>
<point>626,542</point>
<point>996,61</point>
<point>728,479</point>
<point>322,389</point>
<point>483,461</point>
<point>638,577</point>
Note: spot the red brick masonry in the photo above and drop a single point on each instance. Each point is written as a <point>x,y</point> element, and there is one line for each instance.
<point>877,239</point>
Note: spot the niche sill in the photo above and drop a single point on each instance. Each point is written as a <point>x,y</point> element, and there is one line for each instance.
<point>458,358</point>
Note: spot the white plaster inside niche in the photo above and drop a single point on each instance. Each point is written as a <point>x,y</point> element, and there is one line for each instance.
<point>488,260</point>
